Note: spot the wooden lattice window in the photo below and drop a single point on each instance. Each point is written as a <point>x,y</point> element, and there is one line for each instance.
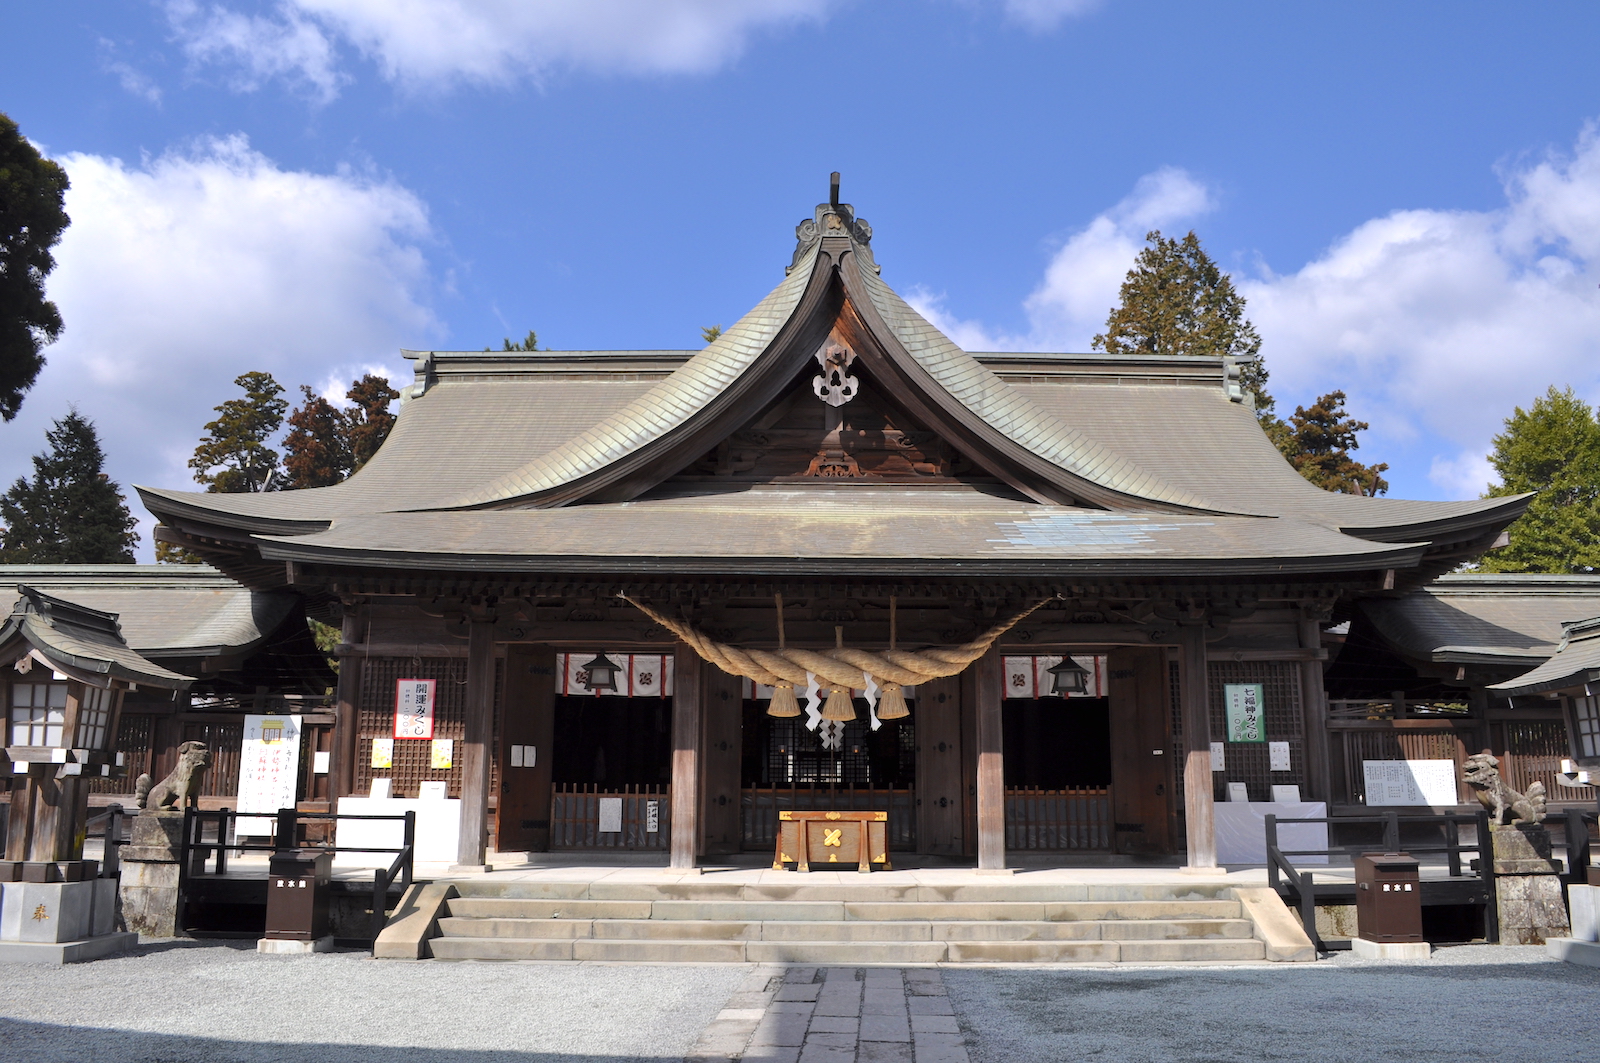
<point>1248,762</point>
<point>38,714</point>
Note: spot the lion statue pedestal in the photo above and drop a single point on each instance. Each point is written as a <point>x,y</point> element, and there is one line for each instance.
<point>1527,887</point>
<point>150,870</point>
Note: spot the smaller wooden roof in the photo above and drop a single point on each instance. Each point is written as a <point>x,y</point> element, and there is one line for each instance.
<point>1471,618</point>
<point>1575,664</point>
<point>75,640</point>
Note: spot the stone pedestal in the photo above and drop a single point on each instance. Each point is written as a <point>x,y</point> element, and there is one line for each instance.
<point>60,922</point>
<point>150,874</point>
<point>1527,889</point>
<point>1390,950</point>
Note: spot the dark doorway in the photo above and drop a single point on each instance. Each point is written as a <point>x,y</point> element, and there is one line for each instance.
<point>1057,743</point>
<point>612,743</point>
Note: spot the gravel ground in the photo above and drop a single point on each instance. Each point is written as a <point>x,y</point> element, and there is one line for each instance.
<point>207,1003</point>
<point>1471,1002</point>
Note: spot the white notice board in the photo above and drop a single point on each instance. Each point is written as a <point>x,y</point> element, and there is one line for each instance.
<point>269,769</point>
<point>1410,782</point>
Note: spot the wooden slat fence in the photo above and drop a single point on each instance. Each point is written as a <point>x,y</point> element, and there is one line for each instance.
<point>760,806</point>
<point>1059,819</point>
<point>575,817</point>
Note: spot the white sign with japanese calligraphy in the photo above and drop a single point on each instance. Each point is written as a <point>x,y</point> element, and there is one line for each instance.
<point>269,770</point>
<point>1410,782</point>
<point>413,707</point>
<point>1247,712</point>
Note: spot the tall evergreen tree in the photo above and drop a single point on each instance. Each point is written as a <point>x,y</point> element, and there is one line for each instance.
<point>1319,442</point>
<point>326,445</point>
<point>530,342</point>
<point>233,456</point>
<point>71,513</point>
<point>368,420</point>
<point>32,217</point>
<point>1552,448</point>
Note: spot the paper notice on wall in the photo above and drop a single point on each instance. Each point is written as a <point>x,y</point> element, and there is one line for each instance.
<point>382,753</point>
<point>1278,756</point>
<point>610,815</point>
<point>414,702</point>
<point>269,770</point>
<point>1410,782</point>
<point>441,754</point>
<point>321,762</point>
<point>1218,757</point>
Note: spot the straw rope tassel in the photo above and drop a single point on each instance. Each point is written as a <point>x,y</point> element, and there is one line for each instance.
<point>841,706</point>
<point>892,701</point>
<point>784,703</point>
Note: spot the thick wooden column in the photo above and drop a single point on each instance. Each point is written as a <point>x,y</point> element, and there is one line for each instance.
<point>721,751</point>
<point>687,688</point>
<point>940,822</point>
<point>475,743</point>
<point>527,722</point>
<point>346,717</point>
<point>1195,697</point>
<point>1314,711</point>
<point>989,686</point>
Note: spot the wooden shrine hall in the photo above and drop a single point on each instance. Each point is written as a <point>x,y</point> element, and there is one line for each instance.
<point>832,560</point>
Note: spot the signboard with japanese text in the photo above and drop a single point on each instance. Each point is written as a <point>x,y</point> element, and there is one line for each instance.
<point>269,770</point>
<point>413,707</point>
<point>1409,782</point>
<point>1247,712</point>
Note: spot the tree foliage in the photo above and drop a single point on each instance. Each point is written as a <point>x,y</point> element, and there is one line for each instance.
<point>327,445</point>
<point>32,218</point>
<point>530,342</point>
<point>1318,443</point>
<point>71,513</point>
<point>1552,448</point>
<point>1176,300</point>
<point>234,456</point>
<point>710,333</point>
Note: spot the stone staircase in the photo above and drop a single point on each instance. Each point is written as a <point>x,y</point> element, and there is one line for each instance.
<point>705,922</point>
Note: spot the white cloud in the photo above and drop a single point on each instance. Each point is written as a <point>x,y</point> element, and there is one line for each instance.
<point>1044,15</point>
<point>181,272</point>
<point>1082,280</point>
<point>496,42</point>
<point>1438,322</point>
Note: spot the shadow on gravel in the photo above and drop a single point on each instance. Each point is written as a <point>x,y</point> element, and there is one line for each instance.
<point>48,1043</point>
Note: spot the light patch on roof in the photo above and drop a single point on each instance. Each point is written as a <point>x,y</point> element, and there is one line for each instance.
<point>1098,530</point>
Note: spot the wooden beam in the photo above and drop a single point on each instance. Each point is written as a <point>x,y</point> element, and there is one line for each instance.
<point>990,690</point>
<point>1195,698</point>
<point>475,741</point>
<point>1314,711</point>
<point>686,692</point>
<point>342,778</point>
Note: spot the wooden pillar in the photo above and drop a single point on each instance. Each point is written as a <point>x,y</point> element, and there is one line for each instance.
<point>1195,697</point>
<point>1314,711</point>
<point>989,687</point>
<point>687,686</point>
<point>475,742</point>
<point>346,715</point>
<point>527,723</point>
<point>940,822</point>
<point>721,753</point>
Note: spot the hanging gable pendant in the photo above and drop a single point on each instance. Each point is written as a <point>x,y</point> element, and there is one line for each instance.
<point>835,386</point>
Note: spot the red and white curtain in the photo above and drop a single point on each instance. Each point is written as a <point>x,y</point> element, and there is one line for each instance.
<point>1029,677</point>
<point>639,675</point>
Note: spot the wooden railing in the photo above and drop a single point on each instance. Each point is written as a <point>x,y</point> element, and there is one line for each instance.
<point>759,807</point>
<point>575,817</point>
<point>1070,819</point>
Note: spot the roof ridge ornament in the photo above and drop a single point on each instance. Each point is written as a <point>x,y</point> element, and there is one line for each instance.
<point>835,386</point>
<point>833,219</point>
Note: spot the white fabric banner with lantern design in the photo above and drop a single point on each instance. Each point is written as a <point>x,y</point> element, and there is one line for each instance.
<point>1029,677</point>
<point>639,675</point>
<point>269,771</point>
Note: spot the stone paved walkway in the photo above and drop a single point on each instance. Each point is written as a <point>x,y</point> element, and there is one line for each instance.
<point>836,1015</point>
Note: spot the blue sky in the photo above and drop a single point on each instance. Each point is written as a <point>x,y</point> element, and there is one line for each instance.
<point>1408,194</point>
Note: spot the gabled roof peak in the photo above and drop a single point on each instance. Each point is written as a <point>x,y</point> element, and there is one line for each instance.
<point>833,219</point>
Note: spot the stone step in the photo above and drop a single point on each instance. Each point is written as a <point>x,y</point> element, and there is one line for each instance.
<point>1220,950</point>
<point>865,891</point>
<point>840,911</point>
<point>852,953</point>
<point>517,908</point>
<point>846,930</point>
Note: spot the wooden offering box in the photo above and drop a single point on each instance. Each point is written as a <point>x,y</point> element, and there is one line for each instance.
<point>806,838</point>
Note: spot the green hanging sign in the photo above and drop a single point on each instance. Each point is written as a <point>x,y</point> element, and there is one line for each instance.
<point>1247,712</point>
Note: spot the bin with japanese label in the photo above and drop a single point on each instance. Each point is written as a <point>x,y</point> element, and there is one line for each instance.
<point>297,894</point>
<point>1388,897</point>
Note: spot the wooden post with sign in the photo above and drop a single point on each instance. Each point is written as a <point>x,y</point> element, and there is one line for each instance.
<point>686,693</point>
<point>1194,696</point>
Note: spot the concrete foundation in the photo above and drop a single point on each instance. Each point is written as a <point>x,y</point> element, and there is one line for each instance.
<point>276,947</point>
<point>150,874</point>
<point>56,953</point>
<point>1583,953</point>
<point>1583,903</point>
<point>1390,950</point>
<point>1527,889</point>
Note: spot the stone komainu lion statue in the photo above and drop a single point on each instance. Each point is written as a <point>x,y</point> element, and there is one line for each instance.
<point>179,788</point>
<point>1482,773</point>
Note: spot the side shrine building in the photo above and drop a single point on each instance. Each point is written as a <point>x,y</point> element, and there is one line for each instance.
<point>835,489</point>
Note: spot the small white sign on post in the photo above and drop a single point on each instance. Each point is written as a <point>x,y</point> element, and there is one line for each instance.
<point>269,770</point>
<point>1410,782</point>
<point>610,815</point>
<point>413,707</point>
<point>1278,756</point>
<point>652,817</point>
<point>1218,757</point>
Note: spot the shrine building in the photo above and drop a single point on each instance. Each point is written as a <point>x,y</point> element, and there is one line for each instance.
<point>552,547</point>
